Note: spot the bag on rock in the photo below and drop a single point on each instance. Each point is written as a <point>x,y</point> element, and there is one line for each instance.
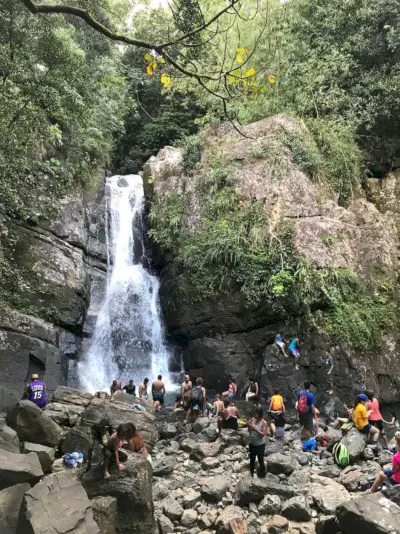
<point>74,459</point>
<point>341,455</point>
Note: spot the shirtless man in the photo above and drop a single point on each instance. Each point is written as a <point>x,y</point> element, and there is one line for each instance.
<point>143,394</point>
<point>186,389</point>
<point>158,392</point>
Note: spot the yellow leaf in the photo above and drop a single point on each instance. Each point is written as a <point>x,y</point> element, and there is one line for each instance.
<point>242,51</point>
<point>165,79</point>
<point>148,57</point>
<point>150,69</point>
<point>239,58</point>
<point>251,72</point>
<point>161,60</point>
<point>272,79</point>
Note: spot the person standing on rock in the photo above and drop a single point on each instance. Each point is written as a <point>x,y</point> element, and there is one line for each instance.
<point>35,392</point>
<point>257,430</point>
<point>294,351</point>
<point>158,392</point>
<point>375,416</point>
<point>186,389</point>
<point>360,418</point>
<point>306,408</point>
<point>143,394</point>
<point>197,401</point>
<point>329,370</point>
<point>130,388</point>
<point>391,475</point>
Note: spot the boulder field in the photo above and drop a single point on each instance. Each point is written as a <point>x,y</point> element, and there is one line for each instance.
<point>198,483</point>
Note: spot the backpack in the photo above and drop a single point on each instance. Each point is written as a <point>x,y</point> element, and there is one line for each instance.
<point>341,455</point>
<point>302,406</point>
<point>74,459</point>
<point>196,395</point>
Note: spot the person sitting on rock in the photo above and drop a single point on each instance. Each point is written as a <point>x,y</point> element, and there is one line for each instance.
<point>252,390</point>
<point>392,476</point>
<point>218,406</point>
<point>375,416</point>
<point>112,450</point>
<point>35,392</point>
<point>143,394</point>
<point>345,421</point>
<point>232,389</point>
<point>115,386</point>
<point>197,401</point>
<point>360,418</point>
<point>130,388</point>
<point>277,412</point>
<point>294,351</point>
<point>281,342</point>
<point>100,432</point>
<point>228,419</point>
<point>257,430</point>
<point>135,442</point>
<point>158,391</point>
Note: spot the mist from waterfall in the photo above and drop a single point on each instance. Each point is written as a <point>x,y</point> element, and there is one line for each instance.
<point>128,340</point>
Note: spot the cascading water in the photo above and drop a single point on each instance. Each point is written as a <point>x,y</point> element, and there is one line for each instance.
<point>128,340</point>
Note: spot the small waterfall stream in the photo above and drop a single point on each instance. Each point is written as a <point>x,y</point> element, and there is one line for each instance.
<point>128,340</point>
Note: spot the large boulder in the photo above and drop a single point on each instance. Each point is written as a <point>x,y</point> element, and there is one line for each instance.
<point>214,488</point>
<point>118,413</point>
<point>371,514</point>
<point>78,439</point>
<point>253,490</point>
<point>105,514</point>
<point>9,440</point>
<point>67,395</point>
<point>355,443</point>
<point>296,509</point>
<point>281,463</point>
<point>17,468</point>
<point>10,504</point>
<point>205,450</point>
<point>45,454</point>
<point>270,505</point>
<point>327,494</point>
<point>132,488</point>
<point>64,414</point>
<point>355,476</point>
<point>57,504</point>
<point>33,425</point>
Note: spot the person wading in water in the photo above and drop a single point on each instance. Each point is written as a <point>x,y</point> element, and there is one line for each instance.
<point>158,391</point>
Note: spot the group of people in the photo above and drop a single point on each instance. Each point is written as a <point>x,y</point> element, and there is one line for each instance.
<point>157,391</point>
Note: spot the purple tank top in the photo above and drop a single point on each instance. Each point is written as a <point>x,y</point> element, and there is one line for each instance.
<point>37,393</point>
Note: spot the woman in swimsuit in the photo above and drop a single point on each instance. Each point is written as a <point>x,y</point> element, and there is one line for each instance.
<point>135,442</point>
<point>232,389</point>
<point>229,417</point>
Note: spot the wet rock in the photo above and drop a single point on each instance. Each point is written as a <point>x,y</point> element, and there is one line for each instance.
<point>188,518</point>
<point>9,440</point>
<point>372,514</point>
<point>204,450</point>
<point>355,443</point>
<point>278,525</point>
<point>105,513</point>
<point>33,425</point>
<point>168,431</point>
<point>213,489</point>
<point>164,467</point>
<point>228,516</point>
<point>10,504</point>
<point>188,445</point>
<point>296,509</point>
<point>279,463</point>
<point>57,504</point>
<point>18,468</point>
<point>270,505</point>
<point>166,525</point>
<point>172,509</point>
<point>210,463</point>
<point>45,454</point>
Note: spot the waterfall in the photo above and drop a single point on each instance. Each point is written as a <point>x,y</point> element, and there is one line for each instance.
<point>128,340</point>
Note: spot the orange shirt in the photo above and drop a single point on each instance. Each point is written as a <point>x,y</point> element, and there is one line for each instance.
<point>276,403</point>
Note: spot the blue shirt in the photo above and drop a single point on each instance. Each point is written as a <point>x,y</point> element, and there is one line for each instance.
<point>293,344</point>
<point>278,338</point>
<point>310,445</point>
<point>310,398</point>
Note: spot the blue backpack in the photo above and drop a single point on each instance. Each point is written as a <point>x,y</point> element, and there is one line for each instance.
<point>73,459</point>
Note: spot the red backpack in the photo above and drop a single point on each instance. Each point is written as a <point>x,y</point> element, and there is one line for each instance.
<point>302,406</point>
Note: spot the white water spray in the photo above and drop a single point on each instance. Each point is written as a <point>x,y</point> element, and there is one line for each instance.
<point>128,340</point>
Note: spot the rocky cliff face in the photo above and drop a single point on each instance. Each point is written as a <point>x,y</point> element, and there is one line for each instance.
<point>303,263</point>
<point>49,270</point>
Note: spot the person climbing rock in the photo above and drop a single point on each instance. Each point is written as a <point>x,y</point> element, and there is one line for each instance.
<point>100,432</point>
<point>306,409</point>
<point>186,389</point>
<point>281,342</point>
<point>252,389</point>
<point>143,394</point>
<point>112,450</point>
<point>294,351</point>
<point>35,392</point>
<point>257,431</point>
<point>232,389</point>
<point>229,417</point>
<point>158,392</point>
<point>197,401</point>
<point>115,386</point>
<point>375,416</point>
<point>130,388</point>
<point>329,371</point>
<point>135,442</point>
<point>360,418</point>
<point>390,475</point>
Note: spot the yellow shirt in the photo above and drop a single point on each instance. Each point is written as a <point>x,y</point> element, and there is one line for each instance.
<point>360,416</point>
<point>276,403</point>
